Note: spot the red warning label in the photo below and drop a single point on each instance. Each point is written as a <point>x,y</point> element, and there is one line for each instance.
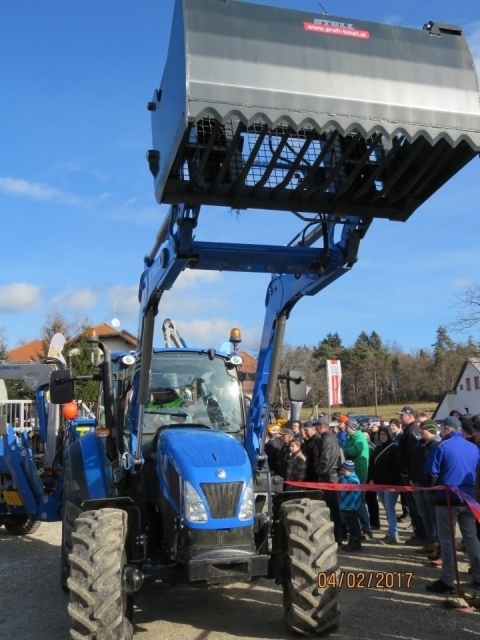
<point>336,31</point>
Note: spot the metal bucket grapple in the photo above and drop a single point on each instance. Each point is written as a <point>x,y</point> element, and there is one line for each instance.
<point>288,110</point>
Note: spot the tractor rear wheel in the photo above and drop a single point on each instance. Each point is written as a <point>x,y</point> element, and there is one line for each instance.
<point>99,606</point>
<point>20,525</point>
<point>308,548</point>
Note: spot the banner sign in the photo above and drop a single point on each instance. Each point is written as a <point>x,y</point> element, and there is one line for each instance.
<point>334,381</point>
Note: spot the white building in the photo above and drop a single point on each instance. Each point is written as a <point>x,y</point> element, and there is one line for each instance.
<point>466,393</point>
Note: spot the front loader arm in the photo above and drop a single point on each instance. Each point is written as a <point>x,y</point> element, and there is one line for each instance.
<point>283,293</point>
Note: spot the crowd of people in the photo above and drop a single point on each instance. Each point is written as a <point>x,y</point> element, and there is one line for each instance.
<point>411,452</point>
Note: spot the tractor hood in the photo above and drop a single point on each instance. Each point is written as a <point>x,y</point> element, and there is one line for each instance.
<point>204,448</point>
<point>213,463</point>
<point>251,91</point>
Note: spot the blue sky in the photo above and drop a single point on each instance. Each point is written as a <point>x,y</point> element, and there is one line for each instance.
<point>79,213</point>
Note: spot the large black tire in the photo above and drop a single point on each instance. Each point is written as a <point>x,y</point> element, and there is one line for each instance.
<point>308,547</point>
<point>20,525</point>
<point>2,520</point>
<point>71,511</point>
<point>99,607</point>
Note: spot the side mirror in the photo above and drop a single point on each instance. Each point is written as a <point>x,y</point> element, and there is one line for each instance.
<point>61,386</point>
<point>296,386</point>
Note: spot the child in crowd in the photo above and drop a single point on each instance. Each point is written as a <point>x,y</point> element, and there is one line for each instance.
<point>296,464</point>
<point>349,506</point>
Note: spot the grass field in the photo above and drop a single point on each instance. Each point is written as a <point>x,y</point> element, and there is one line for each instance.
<point>386,411</point>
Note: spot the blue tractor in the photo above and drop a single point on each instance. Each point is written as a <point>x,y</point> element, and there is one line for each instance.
<point>31,458</point>
<point>263,108</point>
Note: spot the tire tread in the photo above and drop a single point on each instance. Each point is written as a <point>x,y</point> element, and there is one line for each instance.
<point>311,548</point>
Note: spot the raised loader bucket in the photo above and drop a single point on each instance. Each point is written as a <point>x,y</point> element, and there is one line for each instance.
<point>270,108</point>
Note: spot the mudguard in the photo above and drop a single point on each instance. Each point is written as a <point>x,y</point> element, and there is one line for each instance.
<point>89,468</point>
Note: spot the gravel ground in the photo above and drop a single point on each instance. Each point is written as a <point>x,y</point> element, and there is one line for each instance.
<point>32,604</point>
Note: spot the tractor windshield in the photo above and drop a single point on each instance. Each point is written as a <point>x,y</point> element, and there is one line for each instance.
<point>189,387</point>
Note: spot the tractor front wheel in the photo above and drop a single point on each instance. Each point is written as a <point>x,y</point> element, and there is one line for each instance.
<point>99,606</point>
<point>20,525</point>
<point>308,548</point>
<point>70,513</point>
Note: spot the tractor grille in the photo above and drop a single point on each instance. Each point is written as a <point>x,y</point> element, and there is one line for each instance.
<point>222,498</point>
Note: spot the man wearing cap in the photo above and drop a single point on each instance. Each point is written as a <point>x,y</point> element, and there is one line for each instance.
<point>330,457</point>
<point>407,446</point>
<point>424,500</point>
<point>454,463</point>
<point>311,449</point>
<point>356,449</point>
<point>342,433</point>
<point>284,454</point>
<point>327,467</point>
<point>273,446</point>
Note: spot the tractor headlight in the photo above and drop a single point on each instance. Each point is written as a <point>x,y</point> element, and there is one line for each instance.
<point>246,508</point>
<point>194,508</point>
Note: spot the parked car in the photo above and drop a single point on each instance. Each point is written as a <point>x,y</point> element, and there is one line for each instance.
<point>368,418</point>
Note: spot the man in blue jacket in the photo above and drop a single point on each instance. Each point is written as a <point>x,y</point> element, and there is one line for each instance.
<point>454,463</point>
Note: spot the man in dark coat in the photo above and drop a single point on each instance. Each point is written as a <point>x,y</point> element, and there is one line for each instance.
<point>424,500</point>
<point>329,459</point>
<point>328,465</point>
<point>284,454</point>
<point>383,470</point>
<point>407,445</point>
<point>273,446</point>
<point>311,450</point>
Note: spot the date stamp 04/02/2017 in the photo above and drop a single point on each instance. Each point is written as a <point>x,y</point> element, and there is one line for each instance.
<point>365,579</point>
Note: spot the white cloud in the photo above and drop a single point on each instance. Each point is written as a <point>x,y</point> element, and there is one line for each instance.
<point>462,283</point>
<point>19,296</point>
<point>123,301</point>
<point>76,300</point>
<point>44,192</point>
<point>190,279</point>
<point>184,308</point>
<point>215,331</point>
<point>146,217</point>
<point>35,190</point>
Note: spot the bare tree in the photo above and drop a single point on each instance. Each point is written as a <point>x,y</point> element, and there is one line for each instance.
<point>469,304</point>
<point>3,345</point>
<point>55,323</point>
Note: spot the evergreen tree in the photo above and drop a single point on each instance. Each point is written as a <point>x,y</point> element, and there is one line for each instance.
<point>329,348</point>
